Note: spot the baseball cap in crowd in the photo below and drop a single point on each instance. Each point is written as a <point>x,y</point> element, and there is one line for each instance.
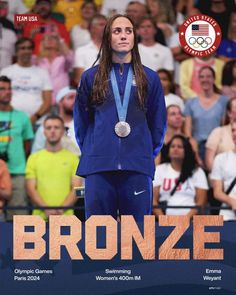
<point>172,99</point>
<point>63,92</point>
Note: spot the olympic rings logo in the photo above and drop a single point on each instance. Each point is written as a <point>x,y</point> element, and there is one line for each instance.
<point>200,42</point>
<point>199,35</point>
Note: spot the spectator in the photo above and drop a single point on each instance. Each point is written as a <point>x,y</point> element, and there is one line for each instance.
<point>7,33</point>
<point>168,87</point>
<point>59,166</point>
<point>80,34</point>
<point>86,55</point>
<point>220,139</point>
<point>98,4</point>
<point>229,79</point>
<point>109,8</point>
<point>222,175</point>
<point>32,90</point>
<point>205,111</point>
<point>181,9</point>
<point>65,101</point>
<point>29,3</point>
<point>4,21</point>
<point>136,11</point>
<point>15,141</point>
<point>227,49</point>
<point>185,7</point>
<point>47,24</point>
<point>175,124</point>
<point>178,181</point>
<point>71,9</point>
<point>15,7</point>
<point>164,16</point>
<point>178,54</point>
<point>153,54</point>
<point>57,59</point>
<point>5,187</point>
<point>189,73</point>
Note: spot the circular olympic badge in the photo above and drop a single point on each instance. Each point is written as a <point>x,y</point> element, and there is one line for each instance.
<point>200,35</point>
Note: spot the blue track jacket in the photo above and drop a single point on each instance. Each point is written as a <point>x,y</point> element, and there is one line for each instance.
<point>101,149</point>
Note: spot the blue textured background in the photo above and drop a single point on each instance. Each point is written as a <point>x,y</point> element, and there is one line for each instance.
<point>158,277</point>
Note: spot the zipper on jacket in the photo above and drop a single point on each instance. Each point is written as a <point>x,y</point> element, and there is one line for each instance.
<point>121,71</point>
<point>119,164</point>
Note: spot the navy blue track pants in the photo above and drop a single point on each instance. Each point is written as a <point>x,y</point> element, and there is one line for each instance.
<point>118,193</point>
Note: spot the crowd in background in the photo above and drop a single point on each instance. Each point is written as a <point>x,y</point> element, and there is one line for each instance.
<point>41,66</point>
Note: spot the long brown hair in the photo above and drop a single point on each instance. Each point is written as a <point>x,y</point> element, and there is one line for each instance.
<point>229,107</point>
<point>100,86</point>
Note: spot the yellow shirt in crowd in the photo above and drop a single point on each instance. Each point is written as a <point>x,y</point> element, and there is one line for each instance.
<point>53,172</point>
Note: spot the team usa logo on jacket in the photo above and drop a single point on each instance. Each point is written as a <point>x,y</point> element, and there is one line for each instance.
<point>200,35</point>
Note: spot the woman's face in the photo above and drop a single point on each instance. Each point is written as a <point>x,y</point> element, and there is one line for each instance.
<point>206,79</point>
<point>88,11</point>
<point>176,150</point>
<point>165,82</point>
<point>232,112</point>
<point>147,30</point>
<point>51,44</point>
<point>174,117</point>
<point>122,35</point>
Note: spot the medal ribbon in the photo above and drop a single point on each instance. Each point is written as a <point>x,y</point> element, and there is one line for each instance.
<point>122,108</point>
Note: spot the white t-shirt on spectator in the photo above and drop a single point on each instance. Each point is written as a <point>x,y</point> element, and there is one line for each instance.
<point>27,86</point>
<point>156,57</point>
<point>79,36</point>
<point>166,177</point>
<point>7,47</point>
<point>224,168</point>
<point>86,55</point>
